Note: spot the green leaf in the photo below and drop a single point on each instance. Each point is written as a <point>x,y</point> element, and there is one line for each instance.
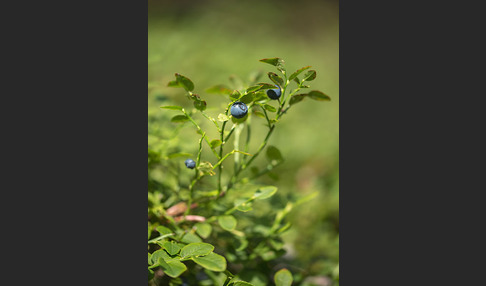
<point>266,85</point>
<point>179,119</point>
<point>227,222</point>
<point>213,262</point>
<point>200,105</point>
<point>235,95</point>
<point>244,207</point>
<point>160,254</point>
<point>185,82</point>
<point>283,277</point>
<point>277,62</point>
<point>273,154</point>
<point>297,72</point>
<point>196,249</point>
<point>172,268</point>
<point>215,143</point>
<point>241,283</point>
<point>171,247</point>
<point>173,83</point>
<point>190,238</point>
<point>310,75</point>
<point>203,229</point>
<point>172,107</point>
<point>219,89</point>
<point>253,88</point>
<point>163,230</point>
<point>150,259</point>
<point>297,98</point>
<point>177,155</point>
<point>318,95</point>
<point>275,78</point>
<point>223,117</point>
<point>265,192</point>
<point>270,108</point>
<point>247,98</point>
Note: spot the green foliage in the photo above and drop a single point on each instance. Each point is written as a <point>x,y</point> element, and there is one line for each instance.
<point>218,205</point>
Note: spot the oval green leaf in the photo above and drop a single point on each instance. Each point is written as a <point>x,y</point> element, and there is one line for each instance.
<point>172,107</point>
<point>215,143</point>
<point>274,154</point>
<point>310,75</point>
<point>179,119</point>
<point>283,277</point>
<point>219,89</point>
<point>196,249</point>
<point>172,268</point>
<point>265,192</point>
<point>203,229</point>
<point>171,247</point>
<point>212,261</point>
<point>200,105</point>
<point>269,108</point>
<point>185,82</point>
<point>297,72</point>
<point>275,78</point>
<point>227,222</point>
<point>318,95</point>
<point>297,98</point>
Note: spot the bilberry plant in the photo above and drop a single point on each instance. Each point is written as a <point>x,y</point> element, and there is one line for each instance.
<point>203,232</point>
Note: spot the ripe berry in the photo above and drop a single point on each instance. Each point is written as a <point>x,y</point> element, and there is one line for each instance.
<point>239,109</point>
<point>190,163</point>
<point>274,93</point>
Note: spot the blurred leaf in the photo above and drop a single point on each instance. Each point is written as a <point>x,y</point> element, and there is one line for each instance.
<point>236,81</point>
<point>318,95</point>
<point>173,83</point>
<point>255,76</point>
<point>203,229</point>
<point>274,154</point>
<point>273,176</point>
<point>212,261</point>
<point>310,75</point>
<point>258,113</point>
<point>254,170</point>
<point>297,98</point>
<point>150,274</point>
<point>171,247</point>
<point>196,249</point>
<point>247,98</point>
<point>235,95</point>
<point>150,259</point>
<point>185,82</point>
<point>297,72</point>
<point>277,62</point>
<point>163,230</point>
<point>240,283</point>
<point>266,85</point>
<point>172,107</point>
<point>227,222</point>
<point>244,207</point>
<point>200,105</point>
<point>265,192</point>
<point>283,277</point>
<point>177,155</point>
<point>179,119</point>
<point>190,238</point>
<point>253,88</point>
<point>270,108</point>
<point>219,89</point>
<point>172,268</point>
<point>215,143</point>
<point>275,78</point>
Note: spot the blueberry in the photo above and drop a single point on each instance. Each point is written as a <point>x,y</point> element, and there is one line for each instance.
<point>274,93</point>
<point>239,109</point>
<point>190,163</point>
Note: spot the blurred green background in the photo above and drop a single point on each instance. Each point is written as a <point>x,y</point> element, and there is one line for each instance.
<point>208,41</point>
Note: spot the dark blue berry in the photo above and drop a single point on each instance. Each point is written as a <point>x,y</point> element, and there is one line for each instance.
<point>274,93</point>
<point>239,109</point>
<point>190,163</point>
